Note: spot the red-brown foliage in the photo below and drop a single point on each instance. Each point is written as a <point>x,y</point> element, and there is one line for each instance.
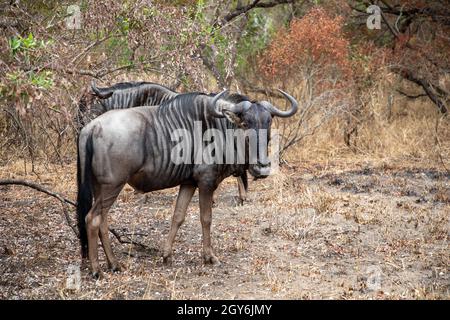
<point>316,40</point>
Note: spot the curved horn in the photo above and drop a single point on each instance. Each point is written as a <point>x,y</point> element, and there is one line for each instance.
<point>101,93</point>
<point>212,105</point>
<point>283,114</point>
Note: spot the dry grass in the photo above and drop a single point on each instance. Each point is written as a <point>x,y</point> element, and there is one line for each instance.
<point>390,128</point>
<point>301,235</point>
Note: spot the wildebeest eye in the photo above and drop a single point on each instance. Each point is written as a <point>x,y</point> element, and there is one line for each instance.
<point>243,125</point>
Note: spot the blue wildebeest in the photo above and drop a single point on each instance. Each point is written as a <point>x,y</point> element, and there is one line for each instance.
<point>135,146</point>
<point>126,95</point>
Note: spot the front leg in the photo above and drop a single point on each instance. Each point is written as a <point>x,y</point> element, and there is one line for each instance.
<point>205,199</point>
<point>184,197</point>
<point>242,190</point>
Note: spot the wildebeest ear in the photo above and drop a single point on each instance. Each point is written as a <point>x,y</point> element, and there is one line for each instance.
<point>233,117</point>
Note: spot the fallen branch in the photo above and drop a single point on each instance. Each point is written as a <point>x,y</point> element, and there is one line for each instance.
<point>64,202</point>
<point>121,239</point>
<point>37,187</point>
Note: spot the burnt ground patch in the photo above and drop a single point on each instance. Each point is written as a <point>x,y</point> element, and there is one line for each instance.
<point>421,184</point>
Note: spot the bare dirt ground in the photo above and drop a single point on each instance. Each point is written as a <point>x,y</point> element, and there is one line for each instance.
<point>341,230</point>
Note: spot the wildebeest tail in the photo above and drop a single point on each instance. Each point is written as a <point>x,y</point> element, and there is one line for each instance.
<point>84,182</point>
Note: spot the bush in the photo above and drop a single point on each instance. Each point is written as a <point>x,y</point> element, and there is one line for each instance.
<point>315,41</point>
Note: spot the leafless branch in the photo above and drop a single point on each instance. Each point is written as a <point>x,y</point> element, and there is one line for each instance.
<point>40,188</point>
<point>64,201</point>
<point>432,91</point>
<point>254,4</point>
<point>411,96</point>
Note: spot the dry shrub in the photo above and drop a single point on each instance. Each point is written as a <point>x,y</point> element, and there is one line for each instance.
<point>397,127</point>
<point>315,67</point>
<point>320,200</point>
<point>348,97</point>
<point>390,126</point>
<point>43,70</point>
<point>298,47</point>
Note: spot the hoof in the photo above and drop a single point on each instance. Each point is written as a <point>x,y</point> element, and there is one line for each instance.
<point>211,260</point>
<point>167,260</point>
<point>239,201</point>
<point>116,268</point>
<point>97,275</point>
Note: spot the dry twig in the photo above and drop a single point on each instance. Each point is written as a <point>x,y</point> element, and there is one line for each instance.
<point>64,201</point>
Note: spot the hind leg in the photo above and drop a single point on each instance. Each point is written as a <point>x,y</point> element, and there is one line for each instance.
<point>93,221</point>
<point>97,226</point>
<point>104,230</point>
<point>108,200</point>
<point>113,264</point>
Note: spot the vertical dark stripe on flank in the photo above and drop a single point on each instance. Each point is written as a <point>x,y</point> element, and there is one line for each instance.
<point>119,102</point>
<point>128,99</point>
<point>172,124</point>
<point>181,124</point>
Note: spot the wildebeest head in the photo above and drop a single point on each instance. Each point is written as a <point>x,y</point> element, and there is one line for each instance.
<point>253,116</point>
